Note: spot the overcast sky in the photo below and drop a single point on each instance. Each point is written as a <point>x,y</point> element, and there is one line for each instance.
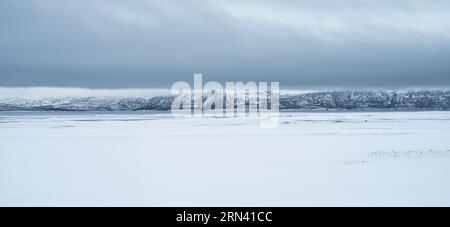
<point>149,43</point>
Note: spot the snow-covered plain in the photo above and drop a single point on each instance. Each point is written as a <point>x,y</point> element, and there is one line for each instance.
<point>154,159</point>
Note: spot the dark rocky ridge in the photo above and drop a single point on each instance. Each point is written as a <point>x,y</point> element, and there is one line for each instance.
<point>329,100</point>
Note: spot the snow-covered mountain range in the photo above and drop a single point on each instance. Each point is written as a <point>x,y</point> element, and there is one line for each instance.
<point>325,100</point>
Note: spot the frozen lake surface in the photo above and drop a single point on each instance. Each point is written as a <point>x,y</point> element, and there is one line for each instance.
<point>154,159</point>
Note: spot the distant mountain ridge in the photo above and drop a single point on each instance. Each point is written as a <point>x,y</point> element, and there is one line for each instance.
<point>325,100</point>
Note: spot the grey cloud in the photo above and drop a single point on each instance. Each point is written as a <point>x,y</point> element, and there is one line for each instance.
<point>101,43</point>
